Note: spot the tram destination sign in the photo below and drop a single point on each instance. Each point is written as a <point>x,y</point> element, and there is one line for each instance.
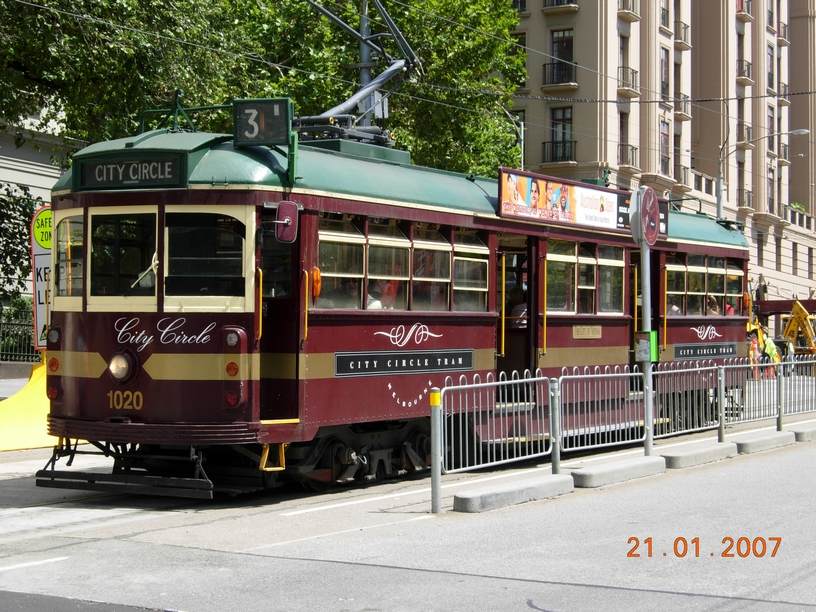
<point>380,363</point>
<point>160,171</point>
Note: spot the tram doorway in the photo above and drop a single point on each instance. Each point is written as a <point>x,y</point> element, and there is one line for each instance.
<point>517,312</point>
<point>278,345</point>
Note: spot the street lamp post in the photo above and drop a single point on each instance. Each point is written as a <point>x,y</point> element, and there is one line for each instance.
<point>722,157</point>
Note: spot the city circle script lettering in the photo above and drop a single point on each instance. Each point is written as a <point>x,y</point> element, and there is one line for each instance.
<point>168,331</point>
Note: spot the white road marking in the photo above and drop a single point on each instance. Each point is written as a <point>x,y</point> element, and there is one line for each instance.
<point>21,565</point>
<point>336,533</point>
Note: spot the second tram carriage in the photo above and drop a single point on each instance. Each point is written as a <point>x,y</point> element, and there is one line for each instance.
<point>222,322</point>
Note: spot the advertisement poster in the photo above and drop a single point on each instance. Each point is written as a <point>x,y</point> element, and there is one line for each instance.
<point>543,199</point>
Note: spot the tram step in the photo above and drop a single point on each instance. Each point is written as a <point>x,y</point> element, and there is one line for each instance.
<point>166,486</point>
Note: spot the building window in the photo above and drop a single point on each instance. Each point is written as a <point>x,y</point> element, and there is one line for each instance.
<point>771,128</point>
<point>795,259</point>
<point>665,159</point>
<point>771,80</point>
<point>664,74</point>
<point>771,187</point>
<point>561,147</point>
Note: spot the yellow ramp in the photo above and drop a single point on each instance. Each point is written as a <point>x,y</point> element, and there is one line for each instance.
<point>23,416</point>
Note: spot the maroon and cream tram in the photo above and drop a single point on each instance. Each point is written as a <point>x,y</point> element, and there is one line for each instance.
<point>229,315</point>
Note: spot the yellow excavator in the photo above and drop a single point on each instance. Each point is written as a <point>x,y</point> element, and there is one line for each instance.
<point>799,330</point>
<point>798,336</point>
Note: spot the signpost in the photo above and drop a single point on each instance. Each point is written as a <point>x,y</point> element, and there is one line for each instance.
<point>644,219</point>
<point>41,272</point>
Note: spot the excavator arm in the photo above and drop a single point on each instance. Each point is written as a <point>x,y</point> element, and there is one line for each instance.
<point>799,330</point>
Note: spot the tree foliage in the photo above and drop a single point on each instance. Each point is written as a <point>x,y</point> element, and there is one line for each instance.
<point>17,208</point>
<point>97,64</point>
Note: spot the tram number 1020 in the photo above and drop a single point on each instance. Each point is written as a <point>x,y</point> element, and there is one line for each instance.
<point>125,400</point>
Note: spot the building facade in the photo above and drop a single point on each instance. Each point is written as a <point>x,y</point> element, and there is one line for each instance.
<point>669,93</point>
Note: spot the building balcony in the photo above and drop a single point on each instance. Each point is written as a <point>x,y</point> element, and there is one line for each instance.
<point>745,198</point>
<point>744,10</point>
<point>682,107</point>
<point>744,72</point>
<point>744,132</point>
<point>553,7</point>
<point>784,154</point>
<point>559,75</point>
<point>628,82</point>
<point>665,165</point>
<point>629,10</point>
<point>628,158</point>
<point>782,38</point>
<point>682,38</point>
<point>783,98</point>
<point>682,175</point>
<point>559,151</point>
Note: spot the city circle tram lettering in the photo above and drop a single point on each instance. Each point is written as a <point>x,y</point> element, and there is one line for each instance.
<point>131,173</point>
<point>379,363</point>
<point>705,349</point>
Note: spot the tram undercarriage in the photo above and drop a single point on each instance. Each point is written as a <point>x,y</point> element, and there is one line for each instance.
<point>338,455</point>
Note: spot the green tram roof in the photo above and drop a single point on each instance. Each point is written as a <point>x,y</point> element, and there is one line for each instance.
<point>698,228</point>
<point>212,161</point>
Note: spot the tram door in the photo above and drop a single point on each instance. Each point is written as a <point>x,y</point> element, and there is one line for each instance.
<point>517,351</point>
<point>280,311</point>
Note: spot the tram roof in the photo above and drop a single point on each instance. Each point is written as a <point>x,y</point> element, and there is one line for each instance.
<point>699,228</point>
<point>212,160</point>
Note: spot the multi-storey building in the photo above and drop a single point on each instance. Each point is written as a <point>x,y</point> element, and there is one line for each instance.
<point>669,93</point>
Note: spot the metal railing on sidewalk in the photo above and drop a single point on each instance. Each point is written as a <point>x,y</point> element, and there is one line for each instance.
<point>484,424</point>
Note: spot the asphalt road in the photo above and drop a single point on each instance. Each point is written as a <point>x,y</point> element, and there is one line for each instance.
<point>734,535</point>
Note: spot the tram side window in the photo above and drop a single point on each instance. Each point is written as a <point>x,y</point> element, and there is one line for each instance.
<point>340,260</point>
<point>707,285</point>
<point>610,279</point>
<point>122,251</point>
<point>696,275</point>
<point>561,264</point>
<point>470,268</point>
<point>733,290</point>
<point>431,268</point>
<point>204,255</point>
<point>715,302</point>
<point>68,274</point>
<point>388,266</point>
<point>675,286</point>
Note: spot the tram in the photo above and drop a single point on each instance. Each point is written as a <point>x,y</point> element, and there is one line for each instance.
<point>230,313</point>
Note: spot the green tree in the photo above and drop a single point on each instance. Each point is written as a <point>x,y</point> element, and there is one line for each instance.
<point>17,208</point>
<point>96,64</point>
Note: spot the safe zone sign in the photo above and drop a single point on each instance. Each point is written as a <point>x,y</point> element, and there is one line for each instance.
<point>41,272</point>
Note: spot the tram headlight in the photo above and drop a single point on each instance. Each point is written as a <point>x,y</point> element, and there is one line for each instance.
<point>53,336</point>
<point>119,366</point>
<point>232,339</point>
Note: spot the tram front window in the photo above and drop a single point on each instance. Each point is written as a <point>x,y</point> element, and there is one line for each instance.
<point>204,255</point>
<point>122,249</point>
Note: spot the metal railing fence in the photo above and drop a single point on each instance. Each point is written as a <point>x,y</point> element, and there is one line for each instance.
<point>495,422</point>
<point>684,397</point>
<point>483,424</point>
<point>17,341</point>
<point>600,407</point>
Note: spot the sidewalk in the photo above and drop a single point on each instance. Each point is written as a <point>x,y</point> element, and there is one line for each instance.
<point>10,386</point>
